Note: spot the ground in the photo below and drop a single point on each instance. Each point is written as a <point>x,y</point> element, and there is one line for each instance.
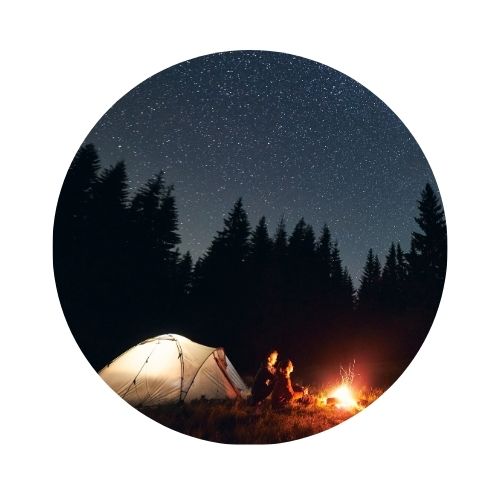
<point>236,422</point>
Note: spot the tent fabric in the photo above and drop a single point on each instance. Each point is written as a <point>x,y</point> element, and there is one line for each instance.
<point>171,368</point>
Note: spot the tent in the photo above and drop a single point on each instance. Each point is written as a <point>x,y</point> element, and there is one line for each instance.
<point>171,368</point>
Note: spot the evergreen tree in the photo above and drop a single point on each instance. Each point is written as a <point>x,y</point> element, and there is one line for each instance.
<point>389,283</point>
<point>154,256</point>
<point>71,241</point>
<point>261,246</point>
<point>197,277</point>
<point>221,291</point>
<point>229,249</point>
<point>324,254</point>
<point>401,265</point>
<point>185,273</point>
<point>349,292</point>
<point>281,240</point>
<point>427,258</point>
<point>108,217</point>
<point>276,310</point>
<point>369,290</point>
<point>145,211</point>
<point>110,192</point>
<point>389,273</point>
<point>336,266</point>
<point>155,221</point>
<point>343,289</point>
<point>302,243</point>
<point>108,221</point>
<point>301,281</point>
<point>76,193</point>
<point>71,220</point>
<point>168,223</point>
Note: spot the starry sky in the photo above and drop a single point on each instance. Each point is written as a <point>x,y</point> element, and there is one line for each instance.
<point>292,137</point>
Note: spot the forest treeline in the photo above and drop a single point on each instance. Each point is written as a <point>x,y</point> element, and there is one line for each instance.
<point>121,278</point>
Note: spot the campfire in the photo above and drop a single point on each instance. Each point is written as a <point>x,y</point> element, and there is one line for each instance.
<point>342,396</point>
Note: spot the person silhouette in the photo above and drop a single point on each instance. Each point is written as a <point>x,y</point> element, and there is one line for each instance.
<point>264,379</point>
<point>284,391</point>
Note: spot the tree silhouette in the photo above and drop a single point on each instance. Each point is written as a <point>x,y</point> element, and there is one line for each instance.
<point>389,283</point>
<point>302,264</point>
<point>324,288</point>
<point>348,291</point>
<point>71,234</point>
<point>427,258</point>
<point>77,191</point>
<point>261,289</point>
<point>154,257</point>
<point>281,241</point>
<point>343,288</point>
<point>229,250</point>
<point>261,247</point>
<point>71,220</point>
<point>369,290</point>
<point>109,224</point>
<point>185,273</point>
<point>221,281</point>
<point>401,265</point>
<point>324,251</point>
<point>121,278</point>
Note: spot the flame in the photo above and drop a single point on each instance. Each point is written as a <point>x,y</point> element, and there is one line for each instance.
<point>344,396</point>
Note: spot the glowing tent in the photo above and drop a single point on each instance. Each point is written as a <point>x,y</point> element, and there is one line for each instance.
<point>171,368</point>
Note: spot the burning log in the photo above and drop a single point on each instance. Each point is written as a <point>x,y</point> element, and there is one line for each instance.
<point>342,396</point>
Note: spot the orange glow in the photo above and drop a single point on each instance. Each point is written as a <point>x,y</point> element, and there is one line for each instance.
<point>344,396</point>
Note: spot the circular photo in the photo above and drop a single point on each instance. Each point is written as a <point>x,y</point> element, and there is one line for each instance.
<point>249,247</point>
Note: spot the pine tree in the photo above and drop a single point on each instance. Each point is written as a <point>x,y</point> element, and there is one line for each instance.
<point>71,220</point>
<point>301,278</point>
<point>108,221</point>
<point>302,243</point>
<point>389,273</point>
<point>223,264</point>
<point>278,286</point>
<point>221,293</point>
<point>336,265</point>
<point>232,243</point>
<point>401,265</point>
<point>76,193</point>
<point>348,291</point>
<point>369,290</point>
<point>341,282</point>
<point>427,258</point>
<point>108,212</point>
<point>430,244</point>
<point>281,239</point>
<point>154,237</point>
<point>261,246</point>
<point>145,211</point>
<point>389,283</point>
<point>324,254</point>
<point>71,241</point>
<point>185,273</point>
<point>168,224</point>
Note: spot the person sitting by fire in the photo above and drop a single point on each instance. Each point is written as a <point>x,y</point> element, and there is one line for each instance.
<point>284,391</point>
<point>264,379</point>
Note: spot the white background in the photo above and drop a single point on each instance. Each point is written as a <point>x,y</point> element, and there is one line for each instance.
<point>434,434</point>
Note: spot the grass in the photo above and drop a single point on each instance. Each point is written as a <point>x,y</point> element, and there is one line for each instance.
<point>236,422</point>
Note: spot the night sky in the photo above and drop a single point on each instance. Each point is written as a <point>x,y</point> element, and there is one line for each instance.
<point>292,137</point>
